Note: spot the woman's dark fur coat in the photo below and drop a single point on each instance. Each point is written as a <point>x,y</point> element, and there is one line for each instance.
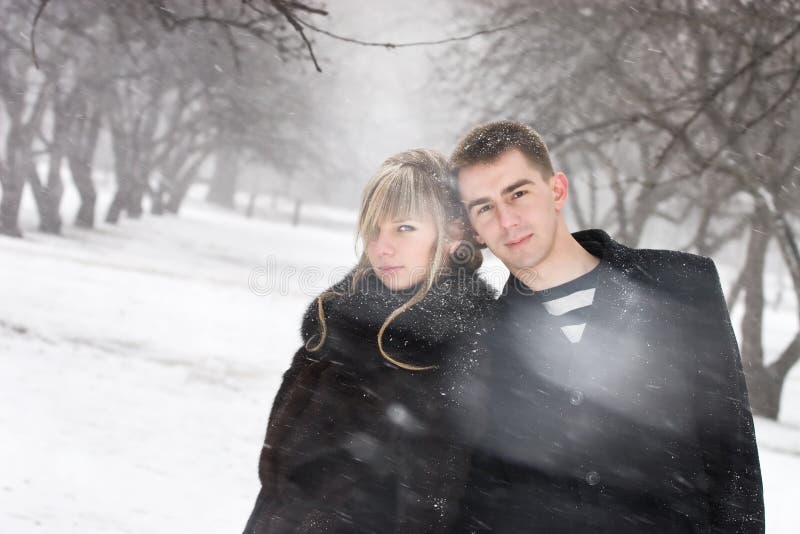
<point>356,444</point>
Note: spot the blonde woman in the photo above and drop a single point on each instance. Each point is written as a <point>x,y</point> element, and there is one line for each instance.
<point>370,429</point>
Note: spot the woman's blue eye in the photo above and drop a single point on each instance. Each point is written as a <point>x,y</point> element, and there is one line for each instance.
<point>405,228</point>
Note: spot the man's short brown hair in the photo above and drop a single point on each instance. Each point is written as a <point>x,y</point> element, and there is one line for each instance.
<point>487,142</point>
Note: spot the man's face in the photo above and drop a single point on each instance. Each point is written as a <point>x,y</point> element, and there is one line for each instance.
<point>513,209</point>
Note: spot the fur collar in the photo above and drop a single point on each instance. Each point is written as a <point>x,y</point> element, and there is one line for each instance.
<point>453,308</point>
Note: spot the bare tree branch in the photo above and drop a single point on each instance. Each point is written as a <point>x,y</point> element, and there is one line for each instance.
<point>42,5</point>
<point>757,59</point>
<point>294,21</point>
<point>390,45</point>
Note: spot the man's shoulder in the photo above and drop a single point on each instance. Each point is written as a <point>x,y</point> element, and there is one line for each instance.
<point>671,278</point>
<point>673,261</point>
<point>676,272</point>
<point>658,264</point>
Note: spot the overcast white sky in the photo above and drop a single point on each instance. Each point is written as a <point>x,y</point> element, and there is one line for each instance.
<point>381,101</point>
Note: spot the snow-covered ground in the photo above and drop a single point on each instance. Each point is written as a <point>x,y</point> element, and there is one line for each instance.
<point>138,364</point>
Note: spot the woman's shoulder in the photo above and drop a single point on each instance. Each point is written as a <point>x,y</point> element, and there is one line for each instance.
<point>458,303</point>
<point>468,292</point>
<point>310,324</point>
<point>455,306</point>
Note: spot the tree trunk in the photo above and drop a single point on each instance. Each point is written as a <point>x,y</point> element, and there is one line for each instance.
<point>764,395</point>
<point>157,198</point>
<point>766,382</point>
<point>223,182</point>
<point>13,182</point>
<point>777,371</point>
<point>47,200</point>
<point>120,200</point>
<point>180,187</point>
<point>82,176</point>
<point>780,369</point>
<point>176,195</point>
<point>123,171</point>
<point>18,152</point>
<point>39,193</point>
<point>133,205</point>
<point>251,205</point>
<point>298,204</point>
<point>255,189</point>
<point>80,165</point>
<point>51,219</point>
<point>49,215</point>
<point>48,197</point>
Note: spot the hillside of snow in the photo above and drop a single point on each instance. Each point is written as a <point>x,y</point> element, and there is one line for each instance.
<point>139,363</point>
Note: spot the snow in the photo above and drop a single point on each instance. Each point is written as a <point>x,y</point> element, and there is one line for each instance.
<point>139,363</point>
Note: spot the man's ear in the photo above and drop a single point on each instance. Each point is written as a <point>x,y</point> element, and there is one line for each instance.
<point>452,246</point>
<point>560,187</point>
<point>455,233</point>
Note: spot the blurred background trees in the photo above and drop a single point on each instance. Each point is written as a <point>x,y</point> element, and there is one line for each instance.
<point>675,118</point>
<point>174,86</point>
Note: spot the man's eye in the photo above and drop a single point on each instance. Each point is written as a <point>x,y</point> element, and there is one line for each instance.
<point>517,194</point>
<point>483,209</point>
<point>405,228</point>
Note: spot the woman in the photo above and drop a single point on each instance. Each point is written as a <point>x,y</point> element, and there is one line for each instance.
<point>369,431</point>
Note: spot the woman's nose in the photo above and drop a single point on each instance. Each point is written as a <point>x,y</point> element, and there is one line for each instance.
<point>382,246</point>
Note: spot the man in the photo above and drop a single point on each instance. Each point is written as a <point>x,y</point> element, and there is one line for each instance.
<point>618,402</point>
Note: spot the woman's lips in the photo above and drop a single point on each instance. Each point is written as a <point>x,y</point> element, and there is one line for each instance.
<point>390,269</point>
<point>518,242</point>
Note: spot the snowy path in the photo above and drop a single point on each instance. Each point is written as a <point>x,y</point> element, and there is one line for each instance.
<point>138,369</point>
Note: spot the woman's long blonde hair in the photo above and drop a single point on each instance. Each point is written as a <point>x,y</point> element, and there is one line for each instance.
<point>408,185</point>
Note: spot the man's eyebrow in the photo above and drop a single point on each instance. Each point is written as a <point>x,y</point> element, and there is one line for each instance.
<point>505,191</point>
<point>477,202</point>
<point>518,183</point>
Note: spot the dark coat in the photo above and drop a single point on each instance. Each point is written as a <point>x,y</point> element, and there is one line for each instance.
<point>356,444</point>
<point>644,426</point>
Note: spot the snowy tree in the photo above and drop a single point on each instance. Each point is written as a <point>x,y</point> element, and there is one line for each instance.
<point>163,78</point>
<point>676,111</point>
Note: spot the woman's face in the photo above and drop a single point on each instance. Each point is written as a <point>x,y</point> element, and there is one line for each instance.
<point>402,251</point>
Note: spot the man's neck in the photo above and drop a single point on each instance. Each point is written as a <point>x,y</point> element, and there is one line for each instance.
<point>567,261</point>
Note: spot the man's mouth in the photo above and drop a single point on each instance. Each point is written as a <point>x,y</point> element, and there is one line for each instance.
<point>514,243</point>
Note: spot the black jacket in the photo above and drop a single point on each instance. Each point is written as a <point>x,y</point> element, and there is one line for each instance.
<point>644,426</point>
<point>356,444</point>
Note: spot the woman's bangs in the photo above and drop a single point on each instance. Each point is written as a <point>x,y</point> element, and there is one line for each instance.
<point>396,198</point>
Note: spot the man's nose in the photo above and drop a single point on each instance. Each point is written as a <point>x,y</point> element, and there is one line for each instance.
<point>506,216</point>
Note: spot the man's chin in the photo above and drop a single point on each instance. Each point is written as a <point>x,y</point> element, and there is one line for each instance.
<point>521,259</point>
<point>522,265</point>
